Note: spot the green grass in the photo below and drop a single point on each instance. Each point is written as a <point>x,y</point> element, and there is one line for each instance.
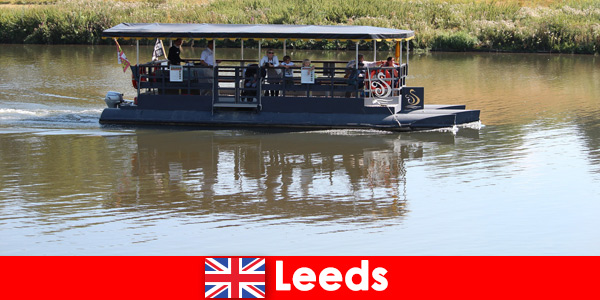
<point>458,25</point>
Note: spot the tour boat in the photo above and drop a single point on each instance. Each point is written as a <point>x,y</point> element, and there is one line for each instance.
<point>234,92</point>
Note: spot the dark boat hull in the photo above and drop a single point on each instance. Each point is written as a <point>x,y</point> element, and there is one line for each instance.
<point>438,116</point>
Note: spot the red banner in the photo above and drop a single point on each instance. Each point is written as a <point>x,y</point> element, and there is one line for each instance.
<point>301,277</point>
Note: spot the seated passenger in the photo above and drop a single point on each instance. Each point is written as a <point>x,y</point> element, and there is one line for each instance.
<point>352,64</point>
<point>250,83</point>
<point>389,73</point>
<point>390,62</point>
<point>362,63</point>
<point>355,77</point>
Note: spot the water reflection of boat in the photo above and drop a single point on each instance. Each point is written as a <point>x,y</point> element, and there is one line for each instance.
<point>365,96</point>
<point>317,175</point>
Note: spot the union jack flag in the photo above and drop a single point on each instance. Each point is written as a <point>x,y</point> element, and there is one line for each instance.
<point>121,58</point>
<point>234,278</point>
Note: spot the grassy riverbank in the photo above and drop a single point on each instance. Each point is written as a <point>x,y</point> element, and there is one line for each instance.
<point>457,25</point>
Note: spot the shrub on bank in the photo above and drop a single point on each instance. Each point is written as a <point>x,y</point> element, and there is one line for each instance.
<point>454,41</point>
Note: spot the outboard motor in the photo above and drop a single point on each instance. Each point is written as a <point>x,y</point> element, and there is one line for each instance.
<point>113,99</point>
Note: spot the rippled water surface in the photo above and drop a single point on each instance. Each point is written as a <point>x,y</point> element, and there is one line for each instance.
<point>526,183</point>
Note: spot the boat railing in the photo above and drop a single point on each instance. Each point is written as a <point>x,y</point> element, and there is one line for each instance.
<point>249,83</point>
<point>156,78</point>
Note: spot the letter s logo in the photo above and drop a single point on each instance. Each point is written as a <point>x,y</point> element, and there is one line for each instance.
<point>412,98</point>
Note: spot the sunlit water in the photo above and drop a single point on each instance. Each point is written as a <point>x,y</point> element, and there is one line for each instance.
<point>526,183</point>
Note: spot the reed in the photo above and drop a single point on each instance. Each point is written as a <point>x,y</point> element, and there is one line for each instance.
<point>457,25</point>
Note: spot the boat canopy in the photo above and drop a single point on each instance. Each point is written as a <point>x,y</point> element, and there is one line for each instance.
<point>256,31</point>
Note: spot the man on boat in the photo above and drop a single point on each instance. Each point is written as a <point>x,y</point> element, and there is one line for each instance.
<point>174,52</point>
<point>207,59</point>
<point>352,64</point>
<point>361,60</point>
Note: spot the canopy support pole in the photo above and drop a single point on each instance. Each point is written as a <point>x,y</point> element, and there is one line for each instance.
<point>137,55</point>
<point>214,53</point>
<point>284,47</point>
<point>259,50</point>
<point>215,75</point>
<point>407,51</point>
<point>260,81</point>
<point>356,57</point>
<point>242,49</point>
<point>374,50</point>
<point>401,45</point>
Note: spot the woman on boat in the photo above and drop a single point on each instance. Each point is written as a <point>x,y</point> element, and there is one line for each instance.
<point>270,62</point>
<point>391,63</point>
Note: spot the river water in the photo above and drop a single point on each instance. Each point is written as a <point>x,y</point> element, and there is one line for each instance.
<point>526,183</point>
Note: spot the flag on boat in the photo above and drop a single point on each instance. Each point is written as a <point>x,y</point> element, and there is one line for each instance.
<point>121,58</point>
<point>159,50</point>
<point>234,277</point>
